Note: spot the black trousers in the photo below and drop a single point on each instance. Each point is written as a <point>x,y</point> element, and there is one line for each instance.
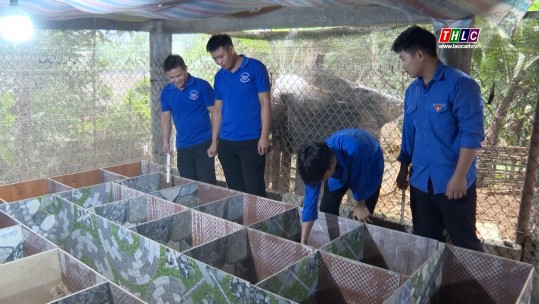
<point>243,167</point>
<point>194,163</point>
<point>331,200</point>
<point>431,213</point>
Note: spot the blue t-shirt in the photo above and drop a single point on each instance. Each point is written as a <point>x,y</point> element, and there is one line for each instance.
<point>239,92</point>
<point>189,110</point>
<point>360,166</point>
<point>439,120</point>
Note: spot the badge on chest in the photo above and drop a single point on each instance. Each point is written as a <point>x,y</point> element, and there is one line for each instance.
<point>438,107</point>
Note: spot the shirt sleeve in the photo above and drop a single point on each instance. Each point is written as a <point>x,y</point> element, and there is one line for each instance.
<point>358,174</point>
<point>207,94</point>
<point>262,82</point>
<point>408,131</point>
<point>310,203</point>
<point>216,90</point>
<point>468,108</point>
<point>164,104</point>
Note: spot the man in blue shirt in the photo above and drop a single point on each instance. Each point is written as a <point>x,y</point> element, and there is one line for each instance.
<point>188,100</point>
<point>349,159</point>
<point>442,128</point>
<point>241,116</point>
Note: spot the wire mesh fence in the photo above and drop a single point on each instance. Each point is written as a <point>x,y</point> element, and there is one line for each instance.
<point>80,100</point>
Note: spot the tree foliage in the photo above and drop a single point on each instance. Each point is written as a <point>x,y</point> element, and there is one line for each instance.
<point>508,66</point>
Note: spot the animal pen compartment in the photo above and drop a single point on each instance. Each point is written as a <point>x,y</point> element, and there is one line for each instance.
<point>239,248</point>
<point>245,209</point>
<point>29,189</point>
<point>185,230</point>
<point>134,169</point>
<point>100,194</point>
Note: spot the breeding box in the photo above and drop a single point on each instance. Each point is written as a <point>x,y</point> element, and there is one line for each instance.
<point>325,229</point>
<point>153,182</point>
<point>134,169</point>
<point>187,229</point>
<point>388,249</point>
<point>135,211</point>
<point>29,189</point>
<point>87,178</point>
<point>250,254</point>
<point>326,278</point>
<point>148,270</point>
<point>194,194</point>
<point>32,242</point>
<point>245,209</point>
<point>457,275</point>
<point>45,277</point>
<point>98,195</point>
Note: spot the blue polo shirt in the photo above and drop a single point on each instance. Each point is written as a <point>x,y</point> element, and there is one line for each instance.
<point>360,166</point>
<point>439,120</point>
<point>239,93</point>
<point>189,110</point>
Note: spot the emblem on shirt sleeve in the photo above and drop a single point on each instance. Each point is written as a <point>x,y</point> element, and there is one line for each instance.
<point>193,95</point>
<point>245,77</point>
<point>438,106</point>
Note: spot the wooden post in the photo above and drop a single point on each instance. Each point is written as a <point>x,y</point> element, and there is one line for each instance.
<point>528,192</point>
<point>160,48</point>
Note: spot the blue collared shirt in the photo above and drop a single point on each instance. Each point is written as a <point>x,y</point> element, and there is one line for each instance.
<point>440,119</point>
<point>241,106</point>
<point>360,166</point>
<point>189,110</point>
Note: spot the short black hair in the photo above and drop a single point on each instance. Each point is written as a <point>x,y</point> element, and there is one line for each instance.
<point>415,38</point>
<point>173,61</point>
<point>218,40</point>
<point>314,160</point>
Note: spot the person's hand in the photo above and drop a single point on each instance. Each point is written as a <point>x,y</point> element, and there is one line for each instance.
<point>456,188</point>
<point>402,178</point>
<point>212,150</point>
<point>362,214</point>
<point>166,148</point>
<point>263,146</point>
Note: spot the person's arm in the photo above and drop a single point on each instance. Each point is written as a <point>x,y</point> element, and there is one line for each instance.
<point>456,188</point>
<point>407,144</point>
<point>310,211</point>
<point>166,127</point>
<point>468,109</point>
<point>265,115</point>
<point>361,212</point>
<point>402,176</point>
<point>305,231</point>
<point>216,118</point>
<point>363,170</point>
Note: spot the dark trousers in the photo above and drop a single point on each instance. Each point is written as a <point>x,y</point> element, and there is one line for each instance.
<point>331,200</point>
<point>431,213</point>
<point>194,163</point>
<point>243,166</point>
